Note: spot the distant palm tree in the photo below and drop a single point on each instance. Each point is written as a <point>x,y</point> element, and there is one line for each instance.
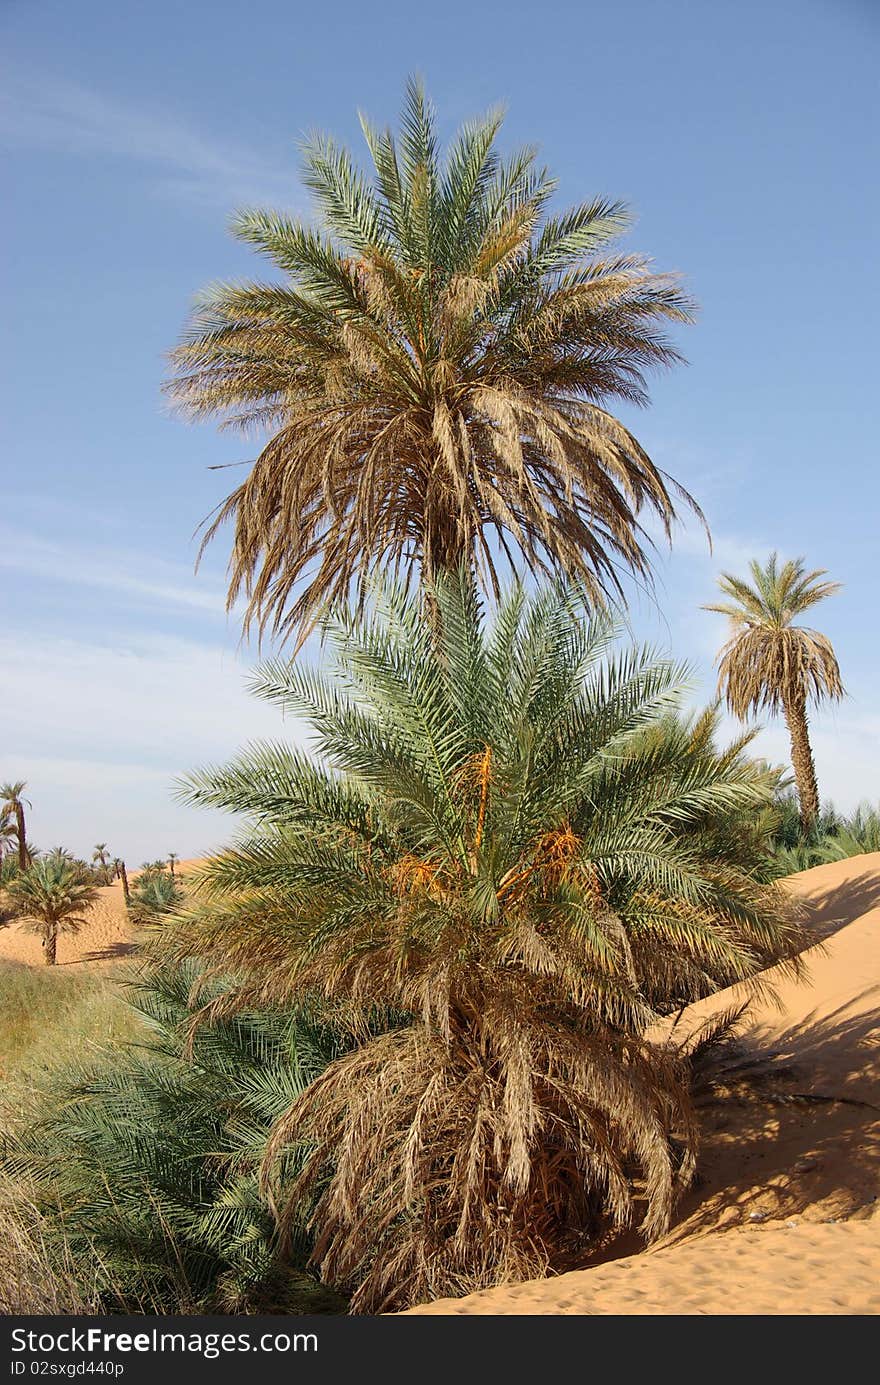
<point>53,898</point>
<point>12,806</point>
<point>769,662</point>
<point>153,896</point>
<point>122,874</point>
<point>172,858</point>
<point>434,372</point>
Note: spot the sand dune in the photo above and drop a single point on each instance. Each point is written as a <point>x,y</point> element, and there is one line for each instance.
<point>785,1219</point>
<point>106,936</point>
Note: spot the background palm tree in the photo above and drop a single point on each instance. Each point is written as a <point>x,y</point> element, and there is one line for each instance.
<point>52,896</point>
<point>102,857</point>
<point>173,858</point>
<point>122,874</point>
<point>152,896</point>
<point>434,374</point>
<point>514,847</point>
<point>13,807</point>
<point>769,662</point>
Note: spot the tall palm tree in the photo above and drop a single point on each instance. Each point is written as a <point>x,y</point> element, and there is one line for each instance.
<point>53,898</point>
<point>13,807</point>
<point>514,847</point>
<point>173,858</point>
<point>435,373</point>
<point>101,856</point>
<point>769,662</point>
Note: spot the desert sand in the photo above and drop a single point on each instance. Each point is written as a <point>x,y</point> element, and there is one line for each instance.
<point>785,1219</point>
<point>106,936</point>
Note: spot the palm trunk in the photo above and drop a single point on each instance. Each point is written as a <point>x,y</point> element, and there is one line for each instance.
<point>802,763</point>
<point>123,875</point>
<point>22,837</point>
<point>50,943</point>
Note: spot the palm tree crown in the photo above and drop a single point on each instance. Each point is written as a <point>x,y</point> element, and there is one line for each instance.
<point>12,805</point>
<point>515,847</point>
<point>53,897</point>
<point>433,373</point>
<point>770,663</point>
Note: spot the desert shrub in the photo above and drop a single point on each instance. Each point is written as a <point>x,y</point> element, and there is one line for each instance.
<point>141,1168</point>
<point>514,837</point>
<point>835,836</point>
<point>153,895</point>
<point>35,1275</point>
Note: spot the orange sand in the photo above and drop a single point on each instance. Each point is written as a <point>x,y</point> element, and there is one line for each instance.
<point>785,1219</point>
<point>106,936</point>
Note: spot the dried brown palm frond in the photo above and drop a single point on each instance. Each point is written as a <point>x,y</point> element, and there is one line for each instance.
<point>435,377</point>
<point>497,1154</point>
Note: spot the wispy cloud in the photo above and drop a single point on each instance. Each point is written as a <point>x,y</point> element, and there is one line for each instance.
<point>51,112</point>
<point>100,729</point>
<point>120,573</point>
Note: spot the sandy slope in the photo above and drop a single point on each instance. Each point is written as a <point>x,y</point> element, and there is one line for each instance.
<point>106,936</point>
<point>785,1219</point>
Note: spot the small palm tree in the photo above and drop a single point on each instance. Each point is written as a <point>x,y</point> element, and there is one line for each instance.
<point>152,896</point>
<point>173,858</point>
<point>12,807</point>
<point>516,848</point>
<point>101,858</point>
<point>52,896</point>
<point>436,373</point>
<point>771,663</point>
<point>145,1164</point>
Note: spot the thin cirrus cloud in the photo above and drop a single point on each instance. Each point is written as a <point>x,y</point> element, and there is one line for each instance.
<point>100,727</point>
<point>54,113</point>
<point>169,585</point>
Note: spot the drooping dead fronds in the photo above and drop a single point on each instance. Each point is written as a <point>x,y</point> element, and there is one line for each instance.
<point>445,1166</point>
<point>435,375</point>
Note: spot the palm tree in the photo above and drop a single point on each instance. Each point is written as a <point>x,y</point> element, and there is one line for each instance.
<point>122,874</point>
<point>13,807</point>
<point>435,374</point>
<point>769,662</point>
<point>53,897</point>
<point>102,857</point>
<point>172,859</point>
<point>514,848</point>
<point>152,896</point>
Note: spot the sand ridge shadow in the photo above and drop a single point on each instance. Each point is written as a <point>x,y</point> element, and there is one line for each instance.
<point>826,913</point>
<point>808,1133</point>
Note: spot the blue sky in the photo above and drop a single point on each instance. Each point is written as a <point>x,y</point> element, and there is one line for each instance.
<point>745,138</point>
